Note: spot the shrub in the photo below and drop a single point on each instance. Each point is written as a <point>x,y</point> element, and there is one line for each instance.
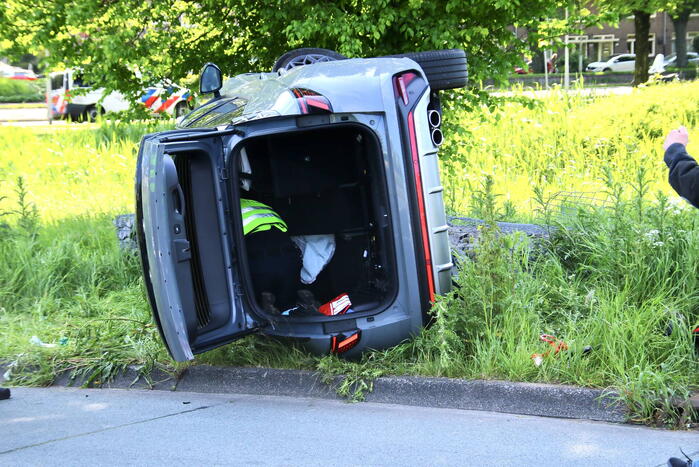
<point>15,90</point>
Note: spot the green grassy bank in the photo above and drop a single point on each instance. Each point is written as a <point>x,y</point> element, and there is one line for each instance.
<point>619,275</point>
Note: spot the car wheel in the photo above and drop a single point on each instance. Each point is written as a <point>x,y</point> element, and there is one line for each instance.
<point>445,69</point>
<point>91,113</point>
<point>181,109</point>
<point>607,70</point>
<point>306,56</point>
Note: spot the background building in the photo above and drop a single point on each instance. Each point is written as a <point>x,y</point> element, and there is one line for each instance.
<point>597,43</point>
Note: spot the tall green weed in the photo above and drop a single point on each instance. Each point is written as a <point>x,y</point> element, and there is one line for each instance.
<point>618,285</point>
<point>561,142</point>
<point>71,172</point>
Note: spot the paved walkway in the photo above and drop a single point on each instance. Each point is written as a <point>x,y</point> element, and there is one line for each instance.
<point>23,114</point>
<point>59,426</point>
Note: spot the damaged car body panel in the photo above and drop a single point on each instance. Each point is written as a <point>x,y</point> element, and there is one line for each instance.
<point>341,149</point>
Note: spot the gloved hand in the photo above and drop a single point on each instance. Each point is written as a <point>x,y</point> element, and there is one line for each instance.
<point>679,135</point>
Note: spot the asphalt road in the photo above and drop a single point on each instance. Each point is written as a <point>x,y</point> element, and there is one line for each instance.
<point>59,426</point>
<point>34,117</point>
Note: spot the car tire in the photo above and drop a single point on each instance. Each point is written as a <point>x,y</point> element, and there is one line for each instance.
<point>91,113</point>
<point>607,70</point>
<point>445,69</point>
<point>305,56</point>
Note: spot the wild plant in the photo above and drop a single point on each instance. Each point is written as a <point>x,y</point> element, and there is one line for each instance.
<point>27,212</point>
<point>4,226</point>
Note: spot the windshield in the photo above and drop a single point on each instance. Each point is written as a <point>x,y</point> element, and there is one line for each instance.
<point>196,114</point>
<point>79,81</point>
<point>223,114</point>
<point>213,113</point>
<point>57,81</point>
<point>608,57</point>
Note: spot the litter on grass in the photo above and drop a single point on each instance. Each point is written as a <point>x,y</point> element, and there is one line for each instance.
<point>38,342</point>
<point>556,346</point>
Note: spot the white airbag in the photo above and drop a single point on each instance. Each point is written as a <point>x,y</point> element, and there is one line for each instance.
<point>317,251</point>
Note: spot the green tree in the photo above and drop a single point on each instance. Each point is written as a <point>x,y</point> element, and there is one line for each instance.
<point>642,11</point>
<point>680,12</point>
<point>641,22</point>
<point>170,38</point>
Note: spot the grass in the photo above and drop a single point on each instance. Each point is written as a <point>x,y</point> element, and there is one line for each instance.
<point>81,171</point>
<point>619,275</point>
<point>562,143</point>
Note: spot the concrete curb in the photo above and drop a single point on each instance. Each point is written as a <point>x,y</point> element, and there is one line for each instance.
<point>546,400</point>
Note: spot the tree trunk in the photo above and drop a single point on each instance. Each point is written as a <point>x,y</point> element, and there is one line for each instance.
<point>679,23</point>
<point>538,62</point>
<point>641,21</point>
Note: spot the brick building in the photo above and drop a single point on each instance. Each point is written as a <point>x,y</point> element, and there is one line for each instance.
<point>597,43</point>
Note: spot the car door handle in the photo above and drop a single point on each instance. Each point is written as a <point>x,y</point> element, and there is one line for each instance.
<point>178,200</point>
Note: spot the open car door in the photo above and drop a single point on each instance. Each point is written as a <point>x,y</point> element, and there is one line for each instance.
<point>185,246</point>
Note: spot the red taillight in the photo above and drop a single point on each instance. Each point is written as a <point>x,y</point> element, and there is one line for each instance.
<point>311,102</point>
<point>402,92</point>
<point>320,103</point>
<point>421,204</point>
<point>401,86</point>
<point>342,343</point>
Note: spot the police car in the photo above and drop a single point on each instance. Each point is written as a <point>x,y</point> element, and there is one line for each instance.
<point>68,95</point>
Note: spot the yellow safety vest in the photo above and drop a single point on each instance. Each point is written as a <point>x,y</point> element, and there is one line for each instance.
<point>258,217</point>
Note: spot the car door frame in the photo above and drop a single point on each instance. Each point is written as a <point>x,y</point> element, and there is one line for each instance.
<point>166,251</point>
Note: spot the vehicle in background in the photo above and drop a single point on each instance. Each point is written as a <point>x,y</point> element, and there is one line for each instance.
<point>14,72</point>
<point>87,103</point>
<point>671,60</point>
<point>622,62</point>
<point>658,65</point>
<point>627,62</point>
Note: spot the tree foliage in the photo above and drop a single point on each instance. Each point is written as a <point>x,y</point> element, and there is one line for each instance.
<point>642,10</point>
<point>680,11</point>
<point>171,38</point>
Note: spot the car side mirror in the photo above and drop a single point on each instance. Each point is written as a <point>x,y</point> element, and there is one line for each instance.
<point>210,80</point>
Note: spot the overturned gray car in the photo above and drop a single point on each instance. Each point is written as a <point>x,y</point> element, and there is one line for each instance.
<point>302,203</point>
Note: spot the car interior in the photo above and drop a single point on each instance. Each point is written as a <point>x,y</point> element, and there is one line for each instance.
<point>328,186</point>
